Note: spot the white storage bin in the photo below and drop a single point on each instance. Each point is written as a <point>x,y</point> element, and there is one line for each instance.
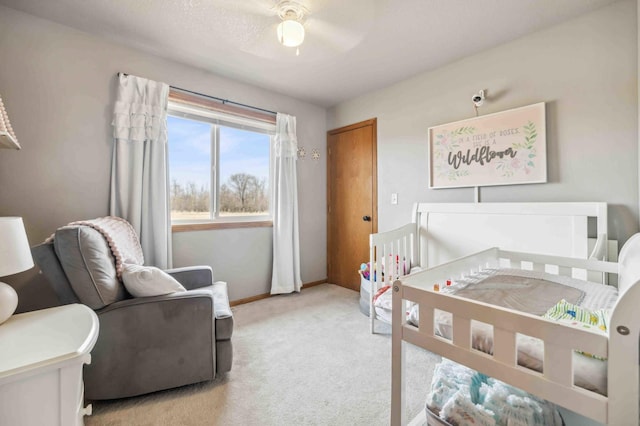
<point>365,294</point>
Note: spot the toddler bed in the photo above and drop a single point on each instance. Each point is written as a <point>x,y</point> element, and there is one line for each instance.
<point>492,339</point>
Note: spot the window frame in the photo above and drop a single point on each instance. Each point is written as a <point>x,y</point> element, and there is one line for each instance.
<point>188,110</point>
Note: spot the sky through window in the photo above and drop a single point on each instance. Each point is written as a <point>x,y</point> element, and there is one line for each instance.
<point>241,151</point>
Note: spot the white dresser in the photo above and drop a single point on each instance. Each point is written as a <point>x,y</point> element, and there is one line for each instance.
<point>41,359</point>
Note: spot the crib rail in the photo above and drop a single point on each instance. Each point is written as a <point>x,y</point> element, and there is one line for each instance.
<point>560,341</point>
<point>564,266</point>
<point>391,255</point>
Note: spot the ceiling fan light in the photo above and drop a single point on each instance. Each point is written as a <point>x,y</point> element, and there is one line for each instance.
<point>290,33</point>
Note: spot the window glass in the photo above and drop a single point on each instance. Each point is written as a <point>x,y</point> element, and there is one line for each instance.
<point>244,172</point>
<point>189,168</point>
<point>217,171</point>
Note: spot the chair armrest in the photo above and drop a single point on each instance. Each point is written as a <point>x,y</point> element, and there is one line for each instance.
<point>216,293</point>
<point>192,276</point>
<point>220,300</point>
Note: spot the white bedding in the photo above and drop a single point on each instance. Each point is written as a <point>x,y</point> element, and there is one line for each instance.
<point>589,373</point>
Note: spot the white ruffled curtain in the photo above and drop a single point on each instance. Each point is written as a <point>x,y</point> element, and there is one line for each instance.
<point>286,246</point>
<point>139,172</point>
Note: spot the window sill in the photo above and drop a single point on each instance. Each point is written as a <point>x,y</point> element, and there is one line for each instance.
<point>189,227</point>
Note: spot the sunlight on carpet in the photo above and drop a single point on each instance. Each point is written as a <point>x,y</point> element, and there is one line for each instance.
<point>301,359</point>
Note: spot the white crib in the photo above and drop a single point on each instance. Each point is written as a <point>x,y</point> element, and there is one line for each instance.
<point>440,232</point>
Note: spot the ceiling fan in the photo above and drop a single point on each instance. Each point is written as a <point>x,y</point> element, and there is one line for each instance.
<point>271,28</point>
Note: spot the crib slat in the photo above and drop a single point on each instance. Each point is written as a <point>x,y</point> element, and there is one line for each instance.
<point>558,364</point>
<point>462,332</point>
<point>391,260</point>
<point>383,265</point>
<point>564,271</point>
<point>425,320</point>
<point>504,346</point>
<point>402,255</point>
<point>538,267</point>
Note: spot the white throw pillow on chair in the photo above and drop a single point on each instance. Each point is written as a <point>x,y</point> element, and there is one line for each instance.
<point>146,281</point>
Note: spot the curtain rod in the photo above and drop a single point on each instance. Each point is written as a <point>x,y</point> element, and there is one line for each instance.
<point>223,101</point>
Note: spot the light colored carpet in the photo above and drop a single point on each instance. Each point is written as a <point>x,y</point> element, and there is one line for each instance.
<point>301,359</point>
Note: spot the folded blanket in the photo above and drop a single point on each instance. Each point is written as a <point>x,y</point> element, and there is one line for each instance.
<point>119,234</point>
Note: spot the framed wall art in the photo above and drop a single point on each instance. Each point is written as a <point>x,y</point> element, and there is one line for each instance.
<point>505,148</point>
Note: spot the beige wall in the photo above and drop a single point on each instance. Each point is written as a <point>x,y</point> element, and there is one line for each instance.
<point>58,85</point>
<point>586,72</point>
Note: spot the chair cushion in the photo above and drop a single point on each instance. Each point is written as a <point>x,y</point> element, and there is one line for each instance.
<point>88,263</point>
<point>147,281</point>
<point>45,257</point>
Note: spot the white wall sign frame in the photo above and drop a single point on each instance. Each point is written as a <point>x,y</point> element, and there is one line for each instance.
<point>505,148</point>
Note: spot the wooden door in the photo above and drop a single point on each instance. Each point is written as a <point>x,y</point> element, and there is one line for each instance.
<point>352,200</point>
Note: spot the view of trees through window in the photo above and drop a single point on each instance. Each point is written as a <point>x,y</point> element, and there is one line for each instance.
<point>243,164</point>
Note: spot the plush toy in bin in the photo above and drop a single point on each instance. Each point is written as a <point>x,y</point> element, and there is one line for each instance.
<point>364,270</point>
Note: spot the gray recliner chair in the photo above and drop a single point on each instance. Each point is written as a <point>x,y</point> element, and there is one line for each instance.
<point>144,344</point>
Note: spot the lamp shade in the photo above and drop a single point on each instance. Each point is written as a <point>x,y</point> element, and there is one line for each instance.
<point>7,136</point>
<point>290,33</point>
<point>15,254</point>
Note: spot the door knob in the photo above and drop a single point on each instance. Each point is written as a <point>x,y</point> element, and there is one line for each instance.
<point>366,218</point>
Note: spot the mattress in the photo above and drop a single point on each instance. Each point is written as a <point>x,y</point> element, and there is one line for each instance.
<point>527,291</point>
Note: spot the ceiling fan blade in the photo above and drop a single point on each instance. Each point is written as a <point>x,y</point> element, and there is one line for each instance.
<point>334,36</point>
<point>330,26</point>
<point>344,30</point>
<point>242,23</point>
<point>252,7</point>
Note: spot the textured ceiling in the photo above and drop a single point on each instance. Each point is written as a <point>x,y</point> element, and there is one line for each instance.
<point>351,46</point>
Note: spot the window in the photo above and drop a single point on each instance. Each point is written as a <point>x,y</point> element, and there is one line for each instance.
<point>219,166</point>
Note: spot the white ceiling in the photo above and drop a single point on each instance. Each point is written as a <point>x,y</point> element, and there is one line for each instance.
<point>351,46</point>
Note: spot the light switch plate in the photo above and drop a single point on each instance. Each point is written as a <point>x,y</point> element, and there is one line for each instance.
<point>394,198</point>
